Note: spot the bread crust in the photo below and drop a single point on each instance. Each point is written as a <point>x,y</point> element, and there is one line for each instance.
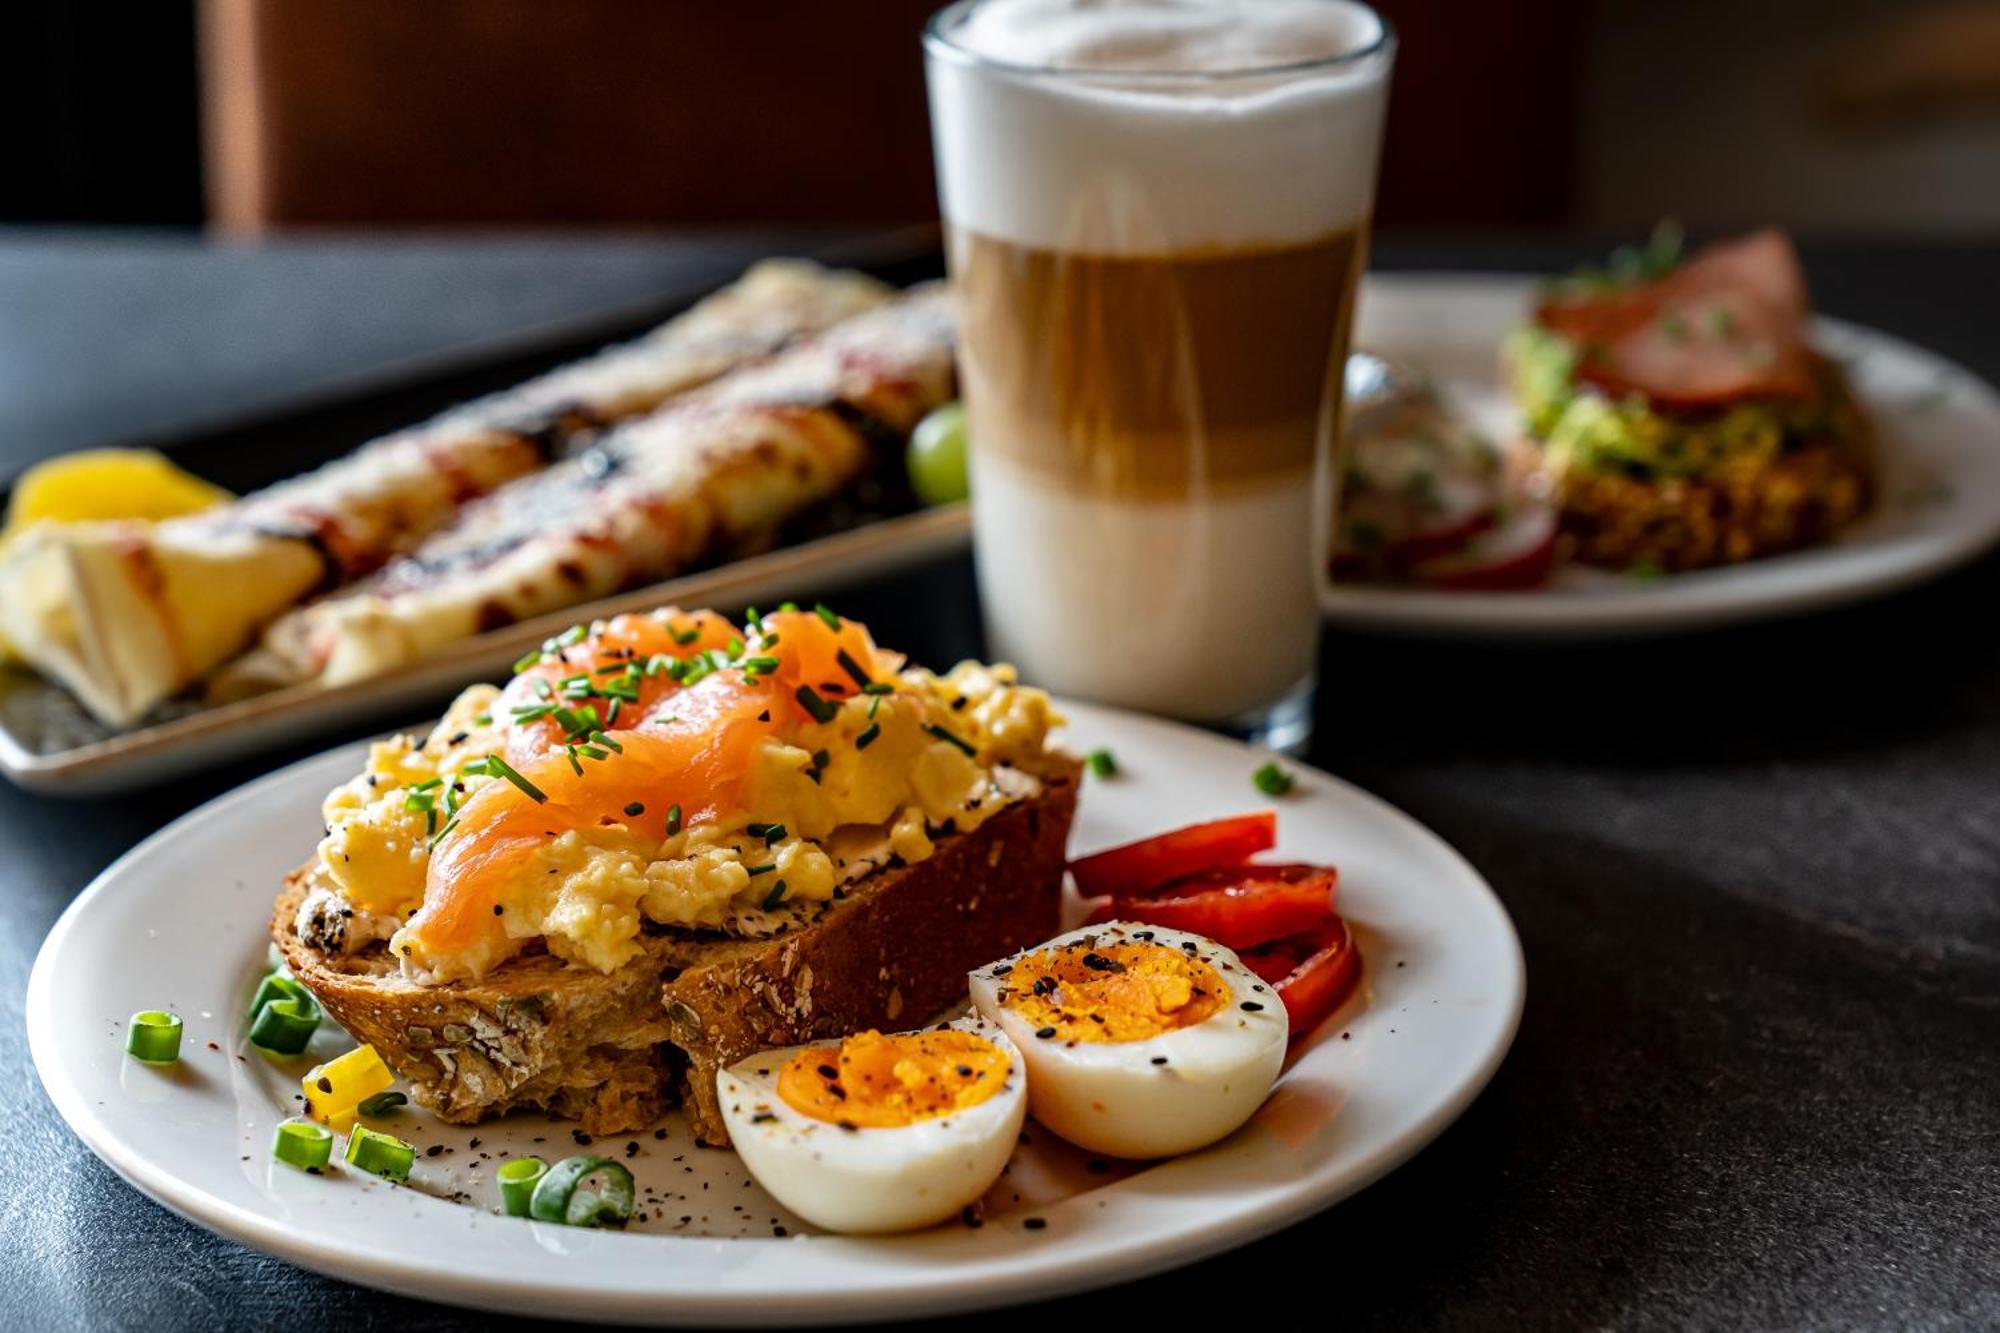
<point>612,1051</point>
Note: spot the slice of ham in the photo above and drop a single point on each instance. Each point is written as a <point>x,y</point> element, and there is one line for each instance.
<point>1728,324</point>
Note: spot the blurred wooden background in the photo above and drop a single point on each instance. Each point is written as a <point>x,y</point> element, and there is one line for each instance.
<point>260,115</point>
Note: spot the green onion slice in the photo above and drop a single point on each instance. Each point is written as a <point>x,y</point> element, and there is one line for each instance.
<point>518,1179</point>
<point>382,1103</point>
<point>284,1026</point>
<point>303,1144</point>
<point>558,1198</point>
<point>155,1037</point>
<point>379,1154</point>
<point>280,985</point>
<point>1102,764</point>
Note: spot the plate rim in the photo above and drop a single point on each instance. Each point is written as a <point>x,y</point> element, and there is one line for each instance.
<point>944,1285</point>
<point>1674,605</point>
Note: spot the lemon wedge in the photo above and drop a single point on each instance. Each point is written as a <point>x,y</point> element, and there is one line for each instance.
<point>96,484</point>
<point>108,483</point>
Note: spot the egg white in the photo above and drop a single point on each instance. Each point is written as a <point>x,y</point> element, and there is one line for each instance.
<point>872,1179</point>
<point>1172,1093</point>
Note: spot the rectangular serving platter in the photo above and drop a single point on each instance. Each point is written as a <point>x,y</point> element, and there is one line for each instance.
<point>48,744</point>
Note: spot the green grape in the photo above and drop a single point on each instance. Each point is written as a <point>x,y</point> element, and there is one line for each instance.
<point>937,456</point>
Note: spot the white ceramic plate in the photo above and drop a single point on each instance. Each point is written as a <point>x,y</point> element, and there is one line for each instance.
<point>180,923</point>
<point>1939,504</point>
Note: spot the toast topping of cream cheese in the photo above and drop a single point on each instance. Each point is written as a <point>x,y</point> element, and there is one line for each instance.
<point>739,786</point>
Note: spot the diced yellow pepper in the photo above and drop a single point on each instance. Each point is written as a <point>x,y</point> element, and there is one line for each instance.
<point>335,1090</point>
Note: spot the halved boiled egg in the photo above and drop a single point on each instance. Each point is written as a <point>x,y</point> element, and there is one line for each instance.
<point>1140,1041</point>
<point>875,1132</point>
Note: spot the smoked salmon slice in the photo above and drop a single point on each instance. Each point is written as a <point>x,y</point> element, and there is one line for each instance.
<point>677,756</point>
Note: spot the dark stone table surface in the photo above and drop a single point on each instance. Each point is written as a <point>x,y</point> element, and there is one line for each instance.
<point>1756,872</point>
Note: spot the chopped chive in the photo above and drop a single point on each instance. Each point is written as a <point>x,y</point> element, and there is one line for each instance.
<point>576,765</point>
<point>762,870</point>
<point>1102,764</point>
<point>758,665</point>
<point>437,838</point>
<point>527,660</point>
<point>597,752</point>
<point>853,668</point>
<point>599,738</point>
<point>821,710</point>
<point>526,713</point>
<point>944,735</point>
<point>382,1103</point>
<point>542,688</point>
<point>775,896</point>
<point>825,613</point>
<point>867,737</point>
<point>673,820</point>
<point>684,637</point>
<point>1273,780</point>
<point>878,688</point>
<point>571,637</point>
<point>494,766</point>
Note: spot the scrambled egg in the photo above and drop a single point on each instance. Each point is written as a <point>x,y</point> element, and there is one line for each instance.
<point>588,892</point>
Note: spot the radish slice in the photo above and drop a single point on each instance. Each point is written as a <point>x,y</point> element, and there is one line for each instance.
<point>1515,554</point>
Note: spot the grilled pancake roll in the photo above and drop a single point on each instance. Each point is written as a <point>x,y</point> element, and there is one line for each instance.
<point>668,843</point>
<point>713,476</point>
<point>126,614</point>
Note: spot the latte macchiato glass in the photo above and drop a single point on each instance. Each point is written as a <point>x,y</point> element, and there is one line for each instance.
<point>1157,214</point>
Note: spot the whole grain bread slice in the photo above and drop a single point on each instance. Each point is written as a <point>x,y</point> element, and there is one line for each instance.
<point>612,1051</point>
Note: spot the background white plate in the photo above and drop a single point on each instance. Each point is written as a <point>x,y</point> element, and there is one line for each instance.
<point>1939,504</point>
<point>179,923</point>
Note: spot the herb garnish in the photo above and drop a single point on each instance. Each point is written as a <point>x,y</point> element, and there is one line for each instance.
<point>1273,780</point>
<point>494,766</point>
<point>1102,764</point>
<point>809,699</point>
<point>945,735</point>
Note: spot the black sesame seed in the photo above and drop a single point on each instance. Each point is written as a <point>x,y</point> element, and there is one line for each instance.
<point>1043,1033</point>
<point>1250,1007</point>
<point>1034,1223</point>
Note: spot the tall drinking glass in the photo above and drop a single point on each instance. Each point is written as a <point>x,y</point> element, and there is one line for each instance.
<point>1157,214</point>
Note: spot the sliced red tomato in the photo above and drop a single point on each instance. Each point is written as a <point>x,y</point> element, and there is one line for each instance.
<point>1138,868</point>
<point>1313,973</point>
<point>1237,906</point>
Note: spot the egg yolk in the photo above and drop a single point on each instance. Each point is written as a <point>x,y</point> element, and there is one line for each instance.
<point>1116,992</point>
<point>870,1081</point>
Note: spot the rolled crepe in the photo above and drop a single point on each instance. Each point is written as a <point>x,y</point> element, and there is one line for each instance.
<point>126,615</point>
<point>714,475</point>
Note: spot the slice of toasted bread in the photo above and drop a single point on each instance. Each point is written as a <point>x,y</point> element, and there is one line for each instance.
<point>613,1050</point>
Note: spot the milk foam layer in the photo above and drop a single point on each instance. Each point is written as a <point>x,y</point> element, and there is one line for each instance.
<point>1157,126</point>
